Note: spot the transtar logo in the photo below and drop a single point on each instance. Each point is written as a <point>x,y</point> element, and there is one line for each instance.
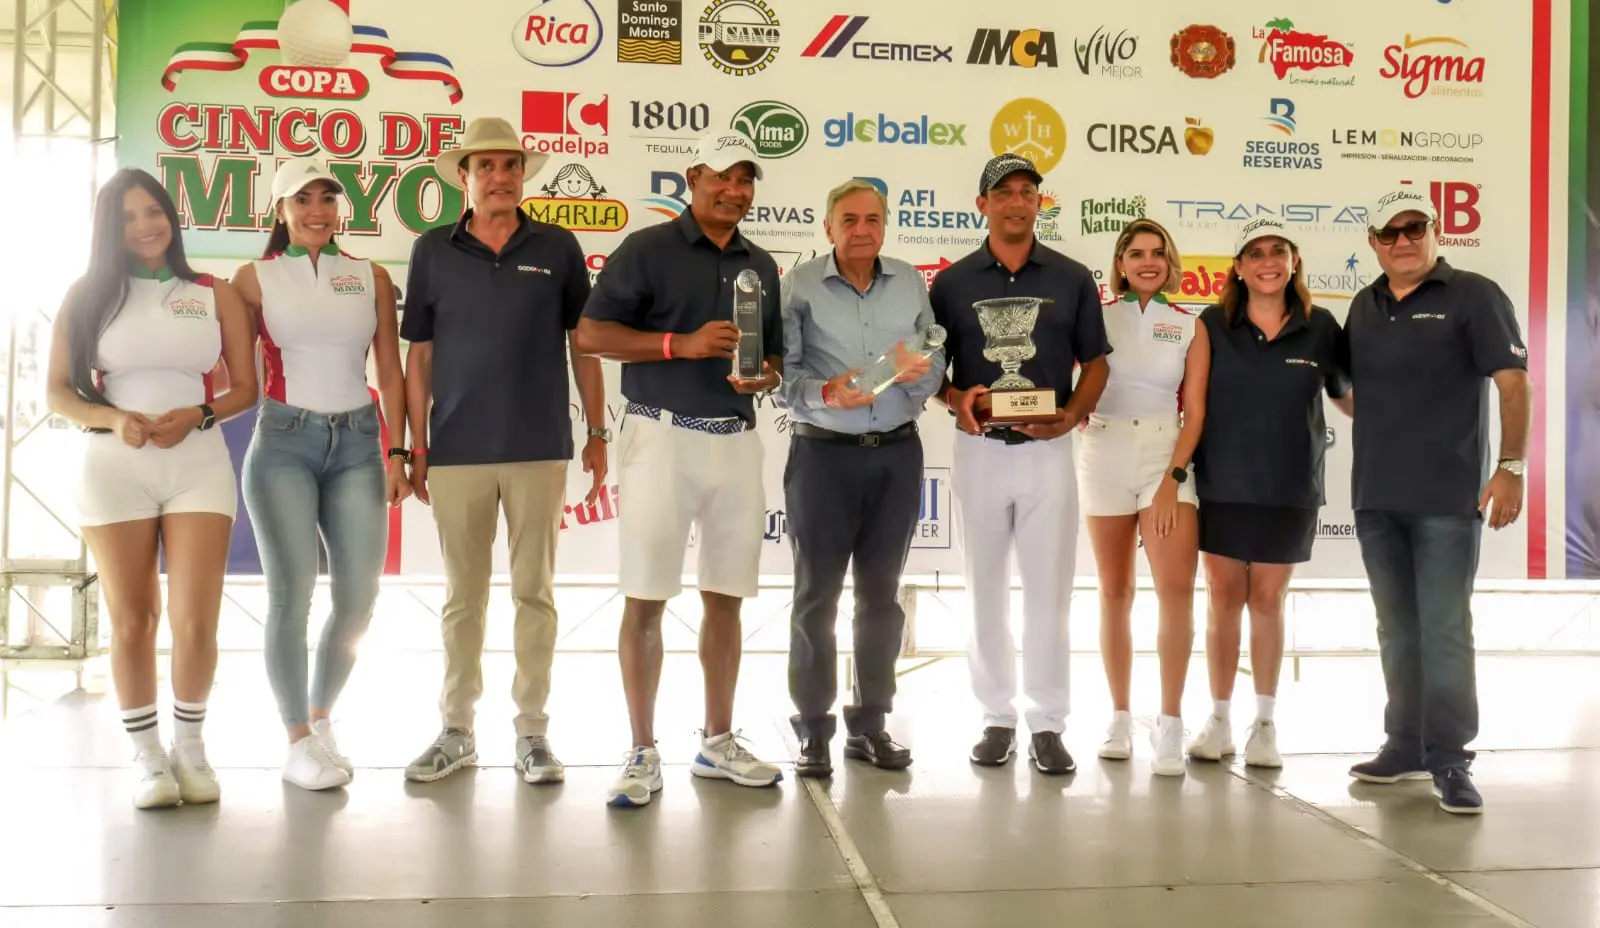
<point>1020,48</point>
<point>839,34</point>
<point>560,123</point>
<point>1438,65</point>
<point>558,33</point>
<point>1288,50</point>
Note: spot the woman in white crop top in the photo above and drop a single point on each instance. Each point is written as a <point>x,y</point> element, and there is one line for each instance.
<point>136,343</point>
<point>1135,479</point>
<point>316,464</point>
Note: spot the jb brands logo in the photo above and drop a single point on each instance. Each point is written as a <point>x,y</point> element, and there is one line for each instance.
<point>1440,66</point>
<point>1456,202</point>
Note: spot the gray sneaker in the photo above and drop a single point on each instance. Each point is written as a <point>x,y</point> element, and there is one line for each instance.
<point>451,751</point>
<point>538,763</point>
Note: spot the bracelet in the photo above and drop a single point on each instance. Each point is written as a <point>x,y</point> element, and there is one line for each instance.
<point>418,452</point>
<point>400,453</point>
<point>666,346</point>
<point>826,399</point>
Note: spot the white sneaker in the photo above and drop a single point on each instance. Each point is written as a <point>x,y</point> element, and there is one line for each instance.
<point>1119,738</point>
<point>1261,749</point>
<point>322,730</point>
<point>157,788</point>
<point>1167,740</point>
<point>311,766</point>
<point>639,779</point>
<point>1215,741</point>
<point>725,758</point>
<point>197,782</point>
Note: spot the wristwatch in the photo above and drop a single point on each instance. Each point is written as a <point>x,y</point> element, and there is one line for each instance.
<point>207,417</point>
<point>1513,466</point>
<point>1180,474</point>
<point>602,434</point>
<point>400,453</point>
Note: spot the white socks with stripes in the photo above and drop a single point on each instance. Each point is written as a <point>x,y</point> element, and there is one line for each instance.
<point>189,718</point>
<point>144,727</point>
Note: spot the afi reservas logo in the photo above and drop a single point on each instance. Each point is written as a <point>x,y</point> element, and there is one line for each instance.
<point>1437,65</point>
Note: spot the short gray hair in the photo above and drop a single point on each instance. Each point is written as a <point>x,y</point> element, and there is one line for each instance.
<point>855,185</point>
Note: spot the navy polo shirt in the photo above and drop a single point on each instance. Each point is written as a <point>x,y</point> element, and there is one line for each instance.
<point>1420,367</point>
<point>1265,434</point>
<point>498,324</point>
<point>1070,330</point>
<point>671,278</point>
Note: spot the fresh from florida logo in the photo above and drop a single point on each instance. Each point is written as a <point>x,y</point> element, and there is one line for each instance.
<point>1047,227</point>
<point>739,37</point>
<point>561,123</point>
<point>650,31</point>
<point>1109,215</point>
<point>839,34</point>
<point>778,129</point>
<point>1107,55</point>
<point>1438,65</point>
<point>1031,128</point>
<point>558,33</point>
<point>347,285</point>
<point>573,199</point>
<point>1020,48</point>
<point>316,39</point>
<point>884,130</point>
<point>1287,49</point>
<point>187,309</point>
<point>1202,51</point>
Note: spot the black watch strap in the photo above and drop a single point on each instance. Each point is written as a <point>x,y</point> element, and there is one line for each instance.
<point>208,418</point>
<point>400,453</point>
<point>1180,474</point>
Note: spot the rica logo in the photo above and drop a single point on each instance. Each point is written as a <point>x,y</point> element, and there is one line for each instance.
<point>920,131</point>
<point>1020,48</point>
<point>1288,50</point>
<point>558,123</point>
<point>558,33</point>
<point>1437,63</point>
<point>841,30</point>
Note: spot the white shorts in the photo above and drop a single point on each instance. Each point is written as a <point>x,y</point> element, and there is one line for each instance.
<point>1121,463</point>
<point>674,478</point>
<point>122,484</point>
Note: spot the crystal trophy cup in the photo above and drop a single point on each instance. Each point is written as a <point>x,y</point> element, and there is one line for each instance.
<point>747,357</point>
<point>1007,324</point>
<point>880,374</point>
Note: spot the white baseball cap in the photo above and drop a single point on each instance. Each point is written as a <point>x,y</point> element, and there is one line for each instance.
<point>1397,201</point>
<point>1261,227</point>
<point>299,173</point>
<point>724,150</point>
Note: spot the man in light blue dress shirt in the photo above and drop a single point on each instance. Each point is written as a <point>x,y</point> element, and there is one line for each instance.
<point>853,480</point>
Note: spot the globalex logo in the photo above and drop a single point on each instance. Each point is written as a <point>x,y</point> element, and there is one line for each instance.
<point>884,130</point>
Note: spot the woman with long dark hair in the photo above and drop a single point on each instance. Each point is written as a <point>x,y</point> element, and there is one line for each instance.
<point>136,342</point>
<point>1259,468</point>
<point>315,465</point>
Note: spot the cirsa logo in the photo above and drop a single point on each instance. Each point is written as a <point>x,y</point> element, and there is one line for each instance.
<point>778,129</point>
<point>557,33</point>
<point>1031,128</point>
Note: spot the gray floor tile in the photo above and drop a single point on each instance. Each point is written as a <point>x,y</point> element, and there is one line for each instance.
<point>1548,898</point>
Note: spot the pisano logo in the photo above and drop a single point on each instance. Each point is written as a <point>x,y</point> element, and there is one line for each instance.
<point>1109,215</point>
<point>778,129</point>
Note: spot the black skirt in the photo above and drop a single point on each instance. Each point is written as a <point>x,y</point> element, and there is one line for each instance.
<point>1257,534</point>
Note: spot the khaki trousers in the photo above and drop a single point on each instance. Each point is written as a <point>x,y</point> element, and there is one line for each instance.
<point>467,500</point>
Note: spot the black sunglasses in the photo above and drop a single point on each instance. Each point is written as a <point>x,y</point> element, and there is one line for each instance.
<point>1413,231</point>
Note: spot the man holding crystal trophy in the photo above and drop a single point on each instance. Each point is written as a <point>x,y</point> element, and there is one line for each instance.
<point>690,308</point>
<point>863,357</point>
<point>1019,317</point>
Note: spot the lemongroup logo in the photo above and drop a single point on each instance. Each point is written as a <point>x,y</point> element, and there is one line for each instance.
<point>1437,65</point>
<point>1031,128</point>
<point>573,199</point>
<point>1405,145</point>
<point>650,31</point>
<point>778,129</point>
<point>557,33</point>
<point>739,37</point>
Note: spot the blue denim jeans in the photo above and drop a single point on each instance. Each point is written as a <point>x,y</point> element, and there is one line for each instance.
<point>1421,569</point>
<point>307,474</point>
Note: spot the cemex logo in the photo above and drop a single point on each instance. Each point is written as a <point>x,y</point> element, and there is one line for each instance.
<point>918,131</point>
<point>1107,55</point>
<point>574,200</point>
<point>557,33</point>
<point>841,30</point>
<point>1020,48</point>
<point>1288,50</point>
<point>559,123</point>
<point>1437,65</point>
<point>1456,202</point>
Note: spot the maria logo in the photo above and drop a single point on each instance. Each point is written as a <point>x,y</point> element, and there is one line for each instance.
<point>348,285</point>
<point>1289,50</point>
<point>573,199</point>
<point>1438,65</point>
<point>188,309</point>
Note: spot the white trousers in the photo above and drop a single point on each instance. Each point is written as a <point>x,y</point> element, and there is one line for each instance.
<point>1022,497</point>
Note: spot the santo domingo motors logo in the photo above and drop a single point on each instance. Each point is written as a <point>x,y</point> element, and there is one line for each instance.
<point>574,200</point>
<point>316,39</point>
<point>739,37</point>
<point>557,33</point>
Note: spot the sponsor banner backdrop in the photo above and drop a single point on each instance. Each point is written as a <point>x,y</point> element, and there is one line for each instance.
<point>1202,116</point>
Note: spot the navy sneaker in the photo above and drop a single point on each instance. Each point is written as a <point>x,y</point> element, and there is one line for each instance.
<point>1390,766</point>
<point>1457,795</point>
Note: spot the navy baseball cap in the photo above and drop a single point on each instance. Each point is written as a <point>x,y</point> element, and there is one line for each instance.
<point>1002,166</point>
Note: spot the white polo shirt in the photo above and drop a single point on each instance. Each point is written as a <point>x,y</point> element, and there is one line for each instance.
<point>316,326</point>
<point>1149,350</point>
<point>158,352</point>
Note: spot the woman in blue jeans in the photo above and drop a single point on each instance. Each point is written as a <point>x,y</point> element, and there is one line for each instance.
<point>316,463</point>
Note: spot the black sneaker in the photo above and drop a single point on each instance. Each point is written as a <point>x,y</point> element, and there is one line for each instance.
<point>1390,766</point>
<point>1049,754</point>
<point>1457,795</point>
<point>815,761</point>
<point>878,749</point>
<point>996,748</point>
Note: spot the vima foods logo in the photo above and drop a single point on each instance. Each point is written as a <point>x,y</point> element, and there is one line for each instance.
<point>650,31</point>
<point>1406,145</point>
<point>882,129</point>
<point>839,34</point>
<point>1020,48</point>
<point>1109,215</point>
<point>1031,128</point>
<point>574,200</point>
<point>778,129</point>
<point>1287,50</point>
<point>316,39</point>
<point>1437,65</point>
<point>554,122</point>
<point>1107,55</point>
<point>557,33</point>
<point>739,37</point>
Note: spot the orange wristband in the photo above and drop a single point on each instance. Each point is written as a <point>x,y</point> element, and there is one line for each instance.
<point>666,346</point>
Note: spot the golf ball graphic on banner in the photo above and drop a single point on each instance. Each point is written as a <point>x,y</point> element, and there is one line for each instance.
<point>315,34</point>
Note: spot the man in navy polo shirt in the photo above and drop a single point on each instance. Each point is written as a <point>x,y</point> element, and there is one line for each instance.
<point>1424,339</point>
<point>689,455</point>
<point>1014,487</point>
<point>490,305</point>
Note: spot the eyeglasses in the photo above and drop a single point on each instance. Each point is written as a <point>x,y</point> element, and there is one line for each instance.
<point>1413,231</point>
